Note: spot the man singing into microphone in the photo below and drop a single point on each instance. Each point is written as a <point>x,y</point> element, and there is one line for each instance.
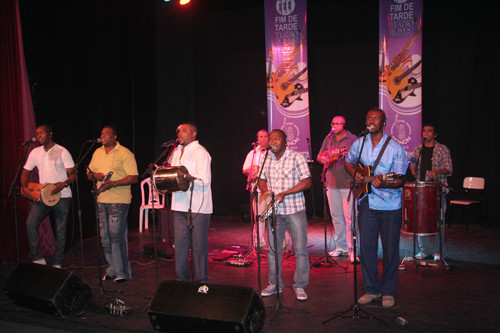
<point>380,210</point>
<point>337,184</point>
<point>251,169</point>
<point>115,169</point>
<point>197,160</point>
<point>433,163</point>
<point>287,175</point>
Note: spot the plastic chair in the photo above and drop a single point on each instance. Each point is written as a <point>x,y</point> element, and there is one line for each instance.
<point>146,197</point>
<point>471,185</point>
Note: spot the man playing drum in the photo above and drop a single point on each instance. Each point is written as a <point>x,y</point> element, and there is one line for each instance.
<point>435,165</point>
<point>54,164</point>
<point>190,154</point>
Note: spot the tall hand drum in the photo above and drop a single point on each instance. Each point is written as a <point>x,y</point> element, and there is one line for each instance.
<point>427,203</point>
<point>171,179</point>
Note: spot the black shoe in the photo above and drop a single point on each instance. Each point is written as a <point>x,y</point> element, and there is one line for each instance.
<point>106,277</point>
<point>119,280</point>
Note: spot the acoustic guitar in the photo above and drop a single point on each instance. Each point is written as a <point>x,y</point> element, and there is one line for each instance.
<point>363,186</point>
<point>329,154</point>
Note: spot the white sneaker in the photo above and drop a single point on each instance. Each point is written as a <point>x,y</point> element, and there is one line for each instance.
<point>300,293</point>
<point>270,290</point>
<point>421,256</point>
<point>338,252</point>
<point>40,262</point>
<point>56,266</point>
<point>437,257</point>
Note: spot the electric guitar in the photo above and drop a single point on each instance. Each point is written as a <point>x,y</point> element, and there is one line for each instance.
<point>363,185</point>
<point>295,95</point>
<point>408,90</point>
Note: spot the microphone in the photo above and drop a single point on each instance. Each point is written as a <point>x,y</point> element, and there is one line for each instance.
<point>255,143</point>
<point>30,141</point>
<point>425,138</point>
<point>98,140</point>
<point>189,177</point>
<point>366,130</point>
<point>170,143</point>
<point>268,148</point>
<point>413,160</point>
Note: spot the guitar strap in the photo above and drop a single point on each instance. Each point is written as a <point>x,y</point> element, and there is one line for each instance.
<point>380,155</point>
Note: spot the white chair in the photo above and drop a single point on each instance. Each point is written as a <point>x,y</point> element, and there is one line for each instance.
<point>471,184</point>
<point>147,204</point>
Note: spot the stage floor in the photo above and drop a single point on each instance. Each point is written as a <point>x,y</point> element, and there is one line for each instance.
<point>463,297</point>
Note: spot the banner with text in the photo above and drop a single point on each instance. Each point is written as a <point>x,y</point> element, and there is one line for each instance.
<point>286,71</point>
<point>400,72</point>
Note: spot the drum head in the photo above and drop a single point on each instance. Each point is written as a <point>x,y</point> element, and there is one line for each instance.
<point>171,179</point>
<point>47,198</point>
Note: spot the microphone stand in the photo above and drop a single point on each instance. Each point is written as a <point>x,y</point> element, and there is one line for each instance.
<point>314,217</point>
<point>190,228</point>
<point>79,160</point>
<point>415,204</point>
<point>149,171</point>
<point>256,217</point>
<point>355,307</point>
<point>13,193</point>
<point>95,193</point>
<point>326,259</point>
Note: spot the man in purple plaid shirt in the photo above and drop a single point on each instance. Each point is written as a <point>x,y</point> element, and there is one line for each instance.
<point>286,174</point>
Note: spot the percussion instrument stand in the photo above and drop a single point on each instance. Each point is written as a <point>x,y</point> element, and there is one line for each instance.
<point>13,193</point>
<point>326,259</point>
<point>355,307</point>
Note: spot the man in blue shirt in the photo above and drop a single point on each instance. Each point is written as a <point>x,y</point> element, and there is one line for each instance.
<point>380,210</point>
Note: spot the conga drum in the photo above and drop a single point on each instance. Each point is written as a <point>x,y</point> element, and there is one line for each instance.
<point>427,209</point>
<point>171,179</point>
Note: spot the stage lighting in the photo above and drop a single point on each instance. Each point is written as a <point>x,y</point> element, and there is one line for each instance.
<point>184,2</point>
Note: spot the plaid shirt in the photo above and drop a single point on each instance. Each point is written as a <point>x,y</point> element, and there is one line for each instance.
<point>284,174</point>
<point>441,159</point>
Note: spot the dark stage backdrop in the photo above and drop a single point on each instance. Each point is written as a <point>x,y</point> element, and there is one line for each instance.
<point>148,65</point>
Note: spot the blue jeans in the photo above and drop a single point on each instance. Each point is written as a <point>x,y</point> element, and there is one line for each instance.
<point>296,224</point>
<point>341,212</point>
<point>113,229</point>
<point>60,214</point>
<point>182,237</point>
<point>387,223</point>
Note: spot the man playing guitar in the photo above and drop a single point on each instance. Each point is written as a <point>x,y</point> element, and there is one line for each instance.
<point>54,164</point>
<point>337,184</point>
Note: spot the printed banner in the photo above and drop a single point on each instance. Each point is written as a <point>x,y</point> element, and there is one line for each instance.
<point>287,73</point>
<point>400,71</point>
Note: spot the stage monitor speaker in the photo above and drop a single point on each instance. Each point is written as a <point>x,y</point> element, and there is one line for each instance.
<point>48,289</point>
<point>197,307</point>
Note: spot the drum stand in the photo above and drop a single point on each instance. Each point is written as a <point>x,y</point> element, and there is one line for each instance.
<point>149,171</point>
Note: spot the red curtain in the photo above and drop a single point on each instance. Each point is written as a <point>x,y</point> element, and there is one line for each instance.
<point>17,124</point>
